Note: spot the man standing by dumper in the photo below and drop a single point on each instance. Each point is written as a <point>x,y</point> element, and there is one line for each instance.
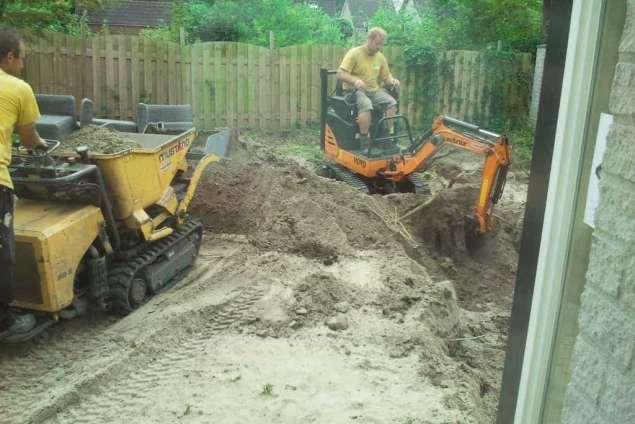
<point>365,68</point>
<point>18,113</point>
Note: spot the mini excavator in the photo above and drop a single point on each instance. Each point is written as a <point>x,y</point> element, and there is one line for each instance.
<point>393,160</point>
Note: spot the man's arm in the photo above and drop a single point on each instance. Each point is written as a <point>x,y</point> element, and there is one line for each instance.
<point>342,75</point>
<point>386,76</point>
<point>29,136</point>
<point>345,69</point>
<point>29,114</point>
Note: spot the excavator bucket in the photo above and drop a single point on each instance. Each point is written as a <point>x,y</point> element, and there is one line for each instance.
<point>474,239</point>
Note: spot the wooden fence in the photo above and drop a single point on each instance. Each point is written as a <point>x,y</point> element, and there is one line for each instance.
<point>236,84</point>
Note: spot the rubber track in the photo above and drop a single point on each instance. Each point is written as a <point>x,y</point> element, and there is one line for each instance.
<point>349,178</point>
<point>420,183</point>
<point>130,388</point>
<point>120,275</point>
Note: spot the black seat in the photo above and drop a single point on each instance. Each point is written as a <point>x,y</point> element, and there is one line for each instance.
<point>342,116</point>
<point>344,103</point>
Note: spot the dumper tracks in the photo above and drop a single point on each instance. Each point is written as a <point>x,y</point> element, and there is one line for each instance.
<point>55,376</point>
<point>27,371</point>
<point>121,275</point>
<point>123,386</point>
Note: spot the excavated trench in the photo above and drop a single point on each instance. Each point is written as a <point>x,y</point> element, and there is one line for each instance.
<point>310,302</point>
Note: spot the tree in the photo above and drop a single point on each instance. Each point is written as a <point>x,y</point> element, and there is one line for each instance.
<point>467,24</point>
<point>56,15</point>
<point>250,21</point>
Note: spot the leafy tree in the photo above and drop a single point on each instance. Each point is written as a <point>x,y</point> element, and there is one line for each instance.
<point>472,24</point>
<point>37,14</point>
<point>292,24</point>
<point>250,21</point>
<point>55,15</point>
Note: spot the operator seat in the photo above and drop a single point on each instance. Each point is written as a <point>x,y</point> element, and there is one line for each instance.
<point>343,118</point>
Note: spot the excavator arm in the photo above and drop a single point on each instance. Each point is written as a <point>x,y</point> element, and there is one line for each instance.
<point>470,137</point>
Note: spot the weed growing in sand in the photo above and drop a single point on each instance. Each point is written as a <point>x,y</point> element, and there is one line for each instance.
<point>267,390</point>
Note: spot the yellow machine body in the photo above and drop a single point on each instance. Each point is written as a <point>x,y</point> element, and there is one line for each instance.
<point>51,239</point>
<point>105,231</point>
<point>141,177</point>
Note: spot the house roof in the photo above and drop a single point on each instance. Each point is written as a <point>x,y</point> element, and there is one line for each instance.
<point>133,13</point>
<point>328,6</point>
<point>362,10</point>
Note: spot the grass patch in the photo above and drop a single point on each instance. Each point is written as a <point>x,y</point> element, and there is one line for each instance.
<point>267,390</point>
<point>310,152</point>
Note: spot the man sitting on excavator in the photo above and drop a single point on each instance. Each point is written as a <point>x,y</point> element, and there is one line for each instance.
<point>365,68</point>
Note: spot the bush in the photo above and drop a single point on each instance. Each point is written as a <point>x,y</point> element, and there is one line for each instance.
<point>250,21</point>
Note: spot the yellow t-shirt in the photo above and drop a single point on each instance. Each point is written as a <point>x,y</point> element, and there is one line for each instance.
<point>17,108</point>
<point>373,70</point>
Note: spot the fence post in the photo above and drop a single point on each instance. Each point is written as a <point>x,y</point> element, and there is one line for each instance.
<point>182,36</point>
<point>272,43</point>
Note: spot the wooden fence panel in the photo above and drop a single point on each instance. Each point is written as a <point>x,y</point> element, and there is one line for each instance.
<point>206,85</point>
<point>234,84</point>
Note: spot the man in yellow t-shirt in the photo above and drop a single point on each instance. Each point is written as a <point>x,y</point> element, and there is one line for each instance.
<point>366,69</point>
<point>18,112</point>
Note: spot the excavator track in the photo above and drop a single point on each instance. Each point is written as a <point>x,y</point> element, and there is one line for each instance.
<point>419,182</point>
<point>343,174</point>
<point>127,289</point>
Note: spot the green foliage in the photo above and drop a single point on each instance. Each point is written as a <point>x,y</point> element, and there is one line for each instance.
<point>250,21</point>
<point>466,24</point>
<point>503,69</point>
<point>292,24</point>
<point>346,27</point>
<point>267,390</point>
<point>40,15</point>
<point>310,152</point>
<point>162,33</point>
<point>521,138</point>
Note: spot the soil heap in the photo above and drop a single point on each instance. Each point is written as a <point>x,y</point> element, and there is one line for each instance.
<point>99,140</point>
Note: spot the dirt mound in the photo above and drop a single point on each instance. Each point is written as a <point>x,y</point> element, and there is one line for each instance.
<point>287,208</point>
<point>99,140</point>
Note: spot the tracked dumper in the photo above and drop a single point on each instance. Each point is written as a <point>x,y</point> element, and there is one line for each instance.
<point>106,231</point>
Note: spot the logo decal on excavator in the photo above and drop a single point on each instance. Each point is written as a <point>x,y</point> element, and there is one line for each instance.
<point>458,141</point>
<point>360,162</point>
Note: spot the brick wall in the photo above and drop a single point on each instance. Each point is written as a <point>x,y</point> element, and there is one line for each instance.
<point>602,386</point>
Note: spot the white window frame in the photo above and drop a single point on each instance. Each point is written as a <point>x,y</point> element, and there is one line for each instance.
<point>575,105</point>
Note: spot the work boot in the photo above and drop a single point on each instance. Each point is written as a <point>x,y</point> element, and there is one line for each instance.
<point>364,142</point>
<point>14,324</point>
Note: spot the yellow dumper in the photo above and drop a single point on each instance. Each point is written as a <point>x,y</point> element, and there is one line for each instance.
<point>103,230</point>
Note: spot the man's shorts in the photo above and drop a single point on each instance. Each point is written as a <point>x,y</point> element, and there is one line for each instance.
<point>7,245</point>
<point>366,100</point>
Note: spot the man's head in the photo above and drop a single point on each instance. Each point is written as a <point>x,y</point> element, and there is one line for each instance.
<point>375,41</point>
<point>11,51</point>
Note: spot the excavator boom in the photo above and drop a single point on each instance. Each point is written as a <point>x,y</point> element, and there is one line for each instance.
<point>469,137</point>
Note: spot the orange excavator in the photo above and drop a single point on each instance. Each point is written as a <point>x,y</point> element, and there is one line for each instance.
<point>393,159</point>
